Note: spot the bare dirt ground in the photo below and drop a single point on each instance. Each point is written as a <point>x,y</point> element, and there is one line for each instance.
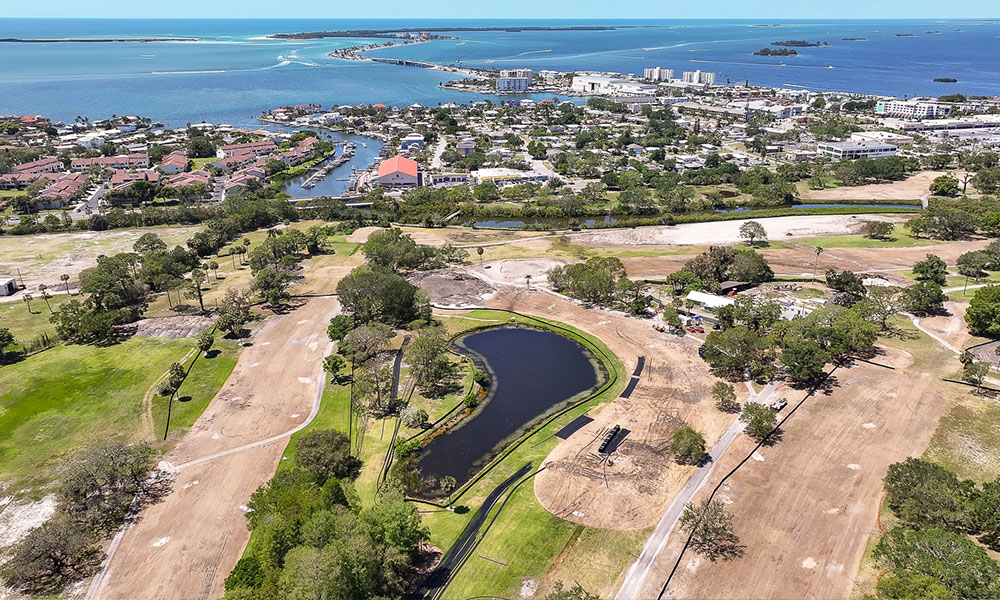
<point>799,259</point>
<point>674,390</point>
<point>727,232</point>
<point>909,189</point>
<point>513,271</point>
<point>200,524</point>
<point>43,258</point>
<point>952,328</point>
<point>448,287</point>
<point>804,507</point>
<point>173,327</point>
<point>18,517</point>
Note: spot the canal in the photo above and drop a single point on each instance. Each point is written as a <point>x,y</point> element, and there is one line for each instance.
<point>534,372</point>
<point>336,183</point>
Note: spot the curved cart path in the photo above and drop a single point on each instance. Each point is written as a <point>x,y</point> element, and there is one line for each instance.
<point>186,545</point>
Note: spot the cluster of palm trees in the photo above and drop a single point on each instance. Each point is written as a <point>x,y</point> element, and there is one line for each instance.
<point>239,249</point>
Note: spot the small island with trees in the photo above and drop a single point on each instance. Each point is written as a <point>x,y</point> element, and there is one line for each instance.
<point>778,52</point>
<point>800,44</point>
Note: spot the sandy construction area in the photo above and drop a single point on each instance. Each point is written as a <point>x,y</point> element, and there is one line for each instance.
<point>727,232</point>
<point>673,390</point>
<point>453,288</point>
<point>914,188</point>
<point>804,507</point>
<point>185,546</point>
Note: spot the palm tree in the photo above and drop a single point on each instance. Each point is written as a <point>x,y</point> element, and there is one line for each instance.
<point>480,251</point>
<point>214,267</point>
<point>65,279</point>
<point>27,299</point>
<point>819,250</point>
<point>44,289</point>
<point>527,279</point>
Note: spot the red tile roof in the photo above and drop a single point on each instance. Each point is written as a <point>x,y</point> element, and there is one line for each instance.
<point>398,164</point>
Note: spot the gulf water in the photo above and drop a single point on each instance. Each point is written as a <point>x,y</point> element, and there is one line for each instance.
<point>230,75</point>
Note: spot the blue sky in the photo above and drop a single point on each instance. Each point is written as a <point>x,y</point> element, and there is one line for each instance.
<point>508,9</point>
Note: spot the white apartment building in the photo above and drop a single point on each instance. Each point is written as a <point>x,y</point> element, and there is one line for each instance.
<point>658,74</point>
<point>516,73</point>
<point>912,109</point>
<point>855,150</point>
<point>513,85</point>
<point>699,77</point>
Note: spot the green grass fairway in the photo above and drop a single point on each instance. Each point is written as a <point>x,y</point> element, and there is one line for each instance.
<point>899,238</point>
<point>56,403</point>
<point>25,325</point>
<point>205,380</point>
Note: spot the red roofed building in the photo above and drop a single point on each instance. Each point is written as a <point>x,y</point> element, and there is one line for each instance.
<point>398,171</point>
<point>37,167</point>
<point>173,163</point>
<point>34,120</point>
<point>122,162</point>
<point>121,180</point>
<point>182,179</point>
<point>260,148</point>
<point>62,191</point>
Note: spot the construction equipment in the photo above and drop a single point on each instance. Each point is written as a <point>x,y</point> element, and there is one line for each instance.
<point>610,437</point>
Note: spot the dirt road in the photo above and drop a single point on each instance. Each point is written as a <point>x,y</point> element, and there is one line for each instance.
<point>233,448</point>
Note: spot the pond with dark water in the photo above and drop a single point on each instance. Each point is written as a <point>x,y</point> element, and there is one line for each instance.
<point>533,373</point>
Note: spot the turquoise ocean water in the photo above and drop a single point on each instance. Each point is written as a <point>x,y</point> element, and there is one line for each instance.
<point>230,75</point>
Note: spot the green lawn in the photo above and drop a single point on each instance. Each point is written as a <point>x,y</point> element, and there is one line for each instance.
<point>56,403</point>
<point>967,440</point>
<point>201,163</point>
<point>206,378</point>
<point>899,238</point>
<point>25,325</point>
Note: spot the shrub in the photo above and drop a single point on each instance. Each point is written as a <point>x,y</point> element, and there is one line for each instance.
<point>481,378</point>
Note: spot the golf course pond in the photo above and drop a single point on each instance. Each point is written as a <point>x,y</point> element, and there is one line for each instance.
<point>533,372</point>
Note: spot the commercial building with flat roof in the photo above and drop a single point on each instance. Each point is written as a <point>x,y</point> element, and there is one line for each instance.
<point>854,150</point>
<point>887,137</point>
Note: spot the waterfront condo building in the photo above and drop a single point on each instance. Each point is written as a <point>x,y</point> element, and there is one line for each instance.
<point>657,74</point>
<point>912,109</point>
<point>699,77</point>
<point>513,85</point>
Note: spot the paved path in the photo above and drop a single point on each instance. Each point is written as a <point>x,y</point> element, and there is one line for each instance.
<point>438,151</point>
<point>637,573</point>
